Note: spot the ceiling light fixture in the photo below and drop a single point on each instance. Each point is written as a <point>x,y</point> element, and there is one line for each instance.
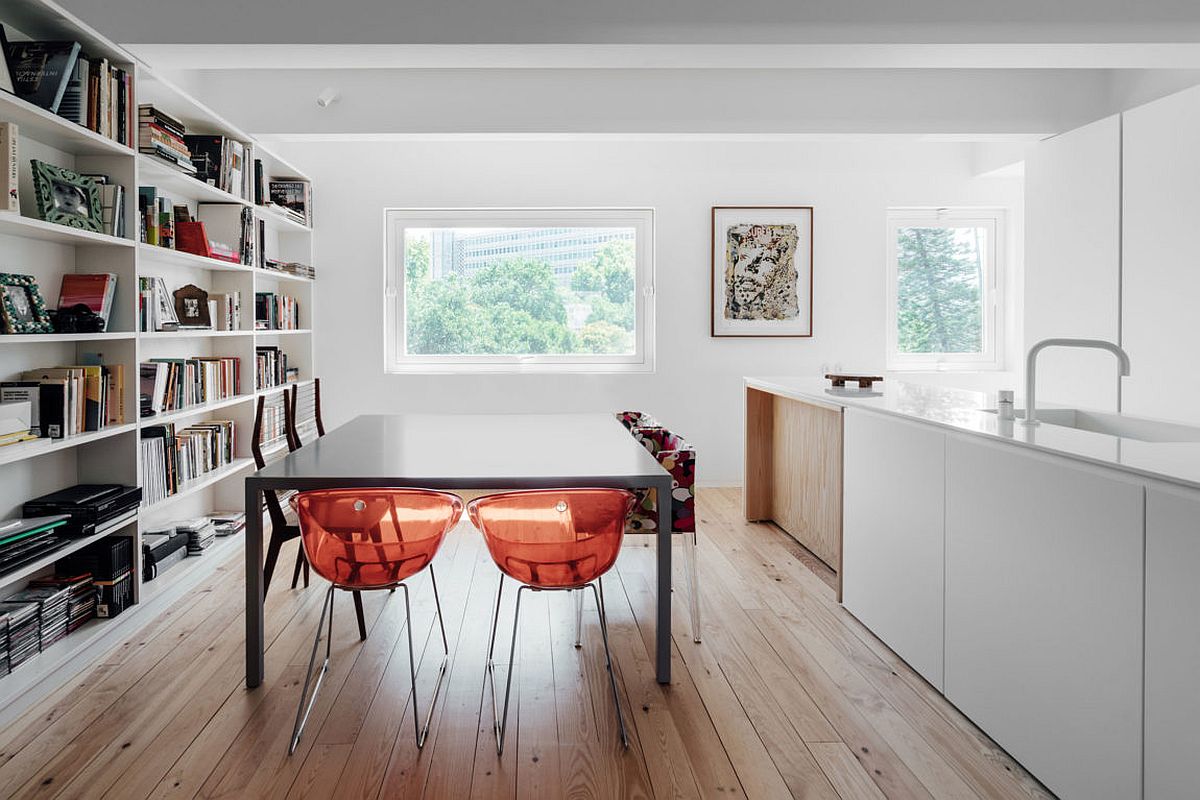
<point>327,97</point>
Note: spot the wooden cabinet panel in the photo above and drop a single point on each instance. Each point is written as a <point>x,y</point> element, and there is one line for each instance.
<point>1172,643</point>
<point>893,535</point>
<point>794,470</point>
<point>1044,614</point>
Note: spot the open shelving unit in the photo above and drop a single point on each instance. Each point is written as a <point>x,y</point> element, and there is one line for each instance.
<point>48,251</point>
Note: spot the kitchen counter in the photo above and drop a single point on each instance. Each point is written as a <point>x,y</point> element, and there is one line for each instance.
<point>963,410</point>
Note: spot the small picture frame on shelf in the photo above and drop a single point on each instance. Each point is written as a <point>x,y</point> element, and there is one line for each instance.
<point>191,307</point>
<point>22,309</point>
<point>65,197</point>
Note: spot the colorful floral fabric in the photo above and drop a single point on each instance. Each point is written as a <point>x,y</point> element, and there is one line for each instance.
<point>678,458</point>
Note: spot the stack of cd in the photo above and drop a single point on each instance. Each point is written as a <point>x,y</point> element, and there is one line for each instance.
<point>201,534</point>
<point>81,596</point>
<point>228,523</point>
<point>52,611</point>
<point>22,631</point>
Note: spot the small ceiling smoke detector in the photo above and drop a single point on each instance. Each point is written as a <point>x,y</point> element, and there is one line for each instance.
<point>327,97</point>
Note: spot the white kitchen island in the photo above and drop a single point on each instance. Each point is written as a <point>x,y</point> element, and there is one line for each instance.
<point>1042,578</point>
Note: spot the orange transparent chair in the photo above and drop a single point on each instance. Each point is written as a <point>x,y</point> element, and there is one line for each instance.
<point>370,539</point>
<point>551,540</point>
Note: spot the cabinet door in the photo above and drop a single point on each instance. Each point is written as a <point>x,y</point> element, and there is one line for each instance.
<point>1044,614</point>
<point>892,529</point>
<point>1172,643</point>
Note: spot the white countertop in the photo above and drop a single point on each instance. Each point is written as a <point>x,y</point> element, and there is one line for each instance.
<point>963,410</point>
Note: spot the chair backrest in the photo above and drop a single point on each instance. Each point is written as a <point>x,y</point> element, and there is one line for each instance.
<point>373,538</point>
<point>306,411</point>
<point>272,423</point>
<point>553,538</point>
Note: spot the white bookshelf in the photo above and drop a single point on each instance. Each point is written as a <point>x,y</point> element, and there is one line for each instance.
<point>49,251</point>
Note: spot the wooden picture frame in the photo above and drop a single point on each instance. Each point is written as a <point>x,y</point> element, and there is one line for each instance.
<point>65,197</point>
<point>191,307</point>
<point>22,309</point>
<point>761,271</point>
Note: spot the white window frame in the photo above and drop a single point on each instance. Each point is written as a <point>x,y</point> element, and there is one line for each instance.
<point>396,360</point>
<point>992,357</point>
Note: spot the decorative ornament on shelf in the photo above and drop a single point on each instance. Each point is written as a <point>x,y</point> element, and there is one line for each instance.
<point>22,309</point>
<point>65,197</point>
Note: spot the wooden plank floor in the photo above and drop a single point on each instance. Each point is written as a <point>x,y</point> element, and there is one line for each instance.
<point>788,696</point>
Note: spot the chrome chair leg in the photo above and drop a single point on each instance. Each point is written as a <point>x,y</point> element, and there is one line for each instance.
<point>612,674</point>
<point>302,712</point>
<point>423,731</point>
<point>502,719</point>
<point>491,666</point>
<point>693,583</point>
<point>578,593</point>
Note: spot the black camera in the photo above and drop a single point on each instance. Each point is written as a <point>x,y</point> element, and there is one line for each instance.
<point>77,319</point>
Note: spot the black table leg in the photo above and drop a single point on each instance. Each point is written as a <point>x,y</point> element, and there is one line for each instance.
<point>254,586</point>
<point>662,627</point>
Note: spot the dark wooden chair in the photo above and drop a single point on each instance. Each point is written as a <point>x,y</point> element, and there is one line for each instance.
<point>281,530</point>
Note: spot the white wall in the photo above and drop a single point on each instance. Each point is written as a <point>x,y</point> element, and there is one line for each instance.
<point>1072,263</point>
<point>697,386</point>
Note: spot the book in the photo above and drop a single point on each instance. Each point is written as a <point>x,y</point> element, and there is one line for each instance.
<point>9,183</point>
<point>6,78</point>
<point>74,105</point>
<point>294,197</point>
<point>95,291</point>
<point>25,391</point>
<point>42,70</point>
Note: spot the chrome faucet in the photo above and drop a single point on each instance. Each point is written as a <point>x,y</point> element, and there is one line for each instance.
<point>1031,367</point>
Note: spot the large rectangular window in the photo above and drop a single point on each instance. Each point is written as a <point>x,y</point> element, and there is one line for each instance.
<point>516,290</point>
<point>944,288</point>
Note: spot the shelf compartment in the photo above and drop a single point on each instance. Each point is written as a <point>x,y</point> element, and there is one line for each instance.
<point>26,450</point>
<point>50,129</point>
<point>14,224</point>
<point>37,338</point>
<point>180,185</point>
<point>33,567</point>
<point>200,484</point>
<point>179,258</point>
<point>196,410</point>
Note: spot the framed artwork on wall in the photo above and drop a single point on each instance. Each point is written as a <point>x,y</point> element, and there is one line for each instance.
<point>762,270</point>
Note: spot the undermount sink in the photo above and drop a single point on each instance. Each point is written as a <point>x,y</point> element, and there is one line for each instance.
<point>1145,430</point>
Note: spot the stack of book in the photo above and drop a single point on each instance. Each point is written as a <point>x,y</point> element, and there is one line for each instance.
<point>171,459</point>
<point>221,162</point>
<point>25,540</point>
<point>156,306</point>
<point>228,311</point>
<point>71,399</point>
<point>227,523</point>
<point>289,267</point>
<point>60,78</point>
<point>162,136</point>
<point>201,534</point>
<point>291,197</point>
<point>275,312</point>
<point>271,368</point>
<point>274,428</point>
<point>156,218</point>
<point>171,384</point>
<point>230,231</point>
<point>81,596</point>
<point>16,421</point>
<point>51,602</point>
<point>110,563</point>
<point>23,633</point>
<point>95,290</point>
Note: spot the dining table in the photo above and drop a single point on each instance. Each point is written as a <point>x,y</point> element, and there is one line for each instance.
<point>479,452</point>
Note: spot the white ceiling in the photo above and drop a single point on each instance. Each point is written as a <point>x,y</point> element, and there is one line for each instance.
<point>641,21</point>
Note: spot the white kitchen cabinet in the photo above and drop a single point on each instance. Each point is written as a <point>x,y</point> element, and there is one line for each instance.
<point>893,534</point>
<point>1172,643</point>
<point>1044,604</point>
